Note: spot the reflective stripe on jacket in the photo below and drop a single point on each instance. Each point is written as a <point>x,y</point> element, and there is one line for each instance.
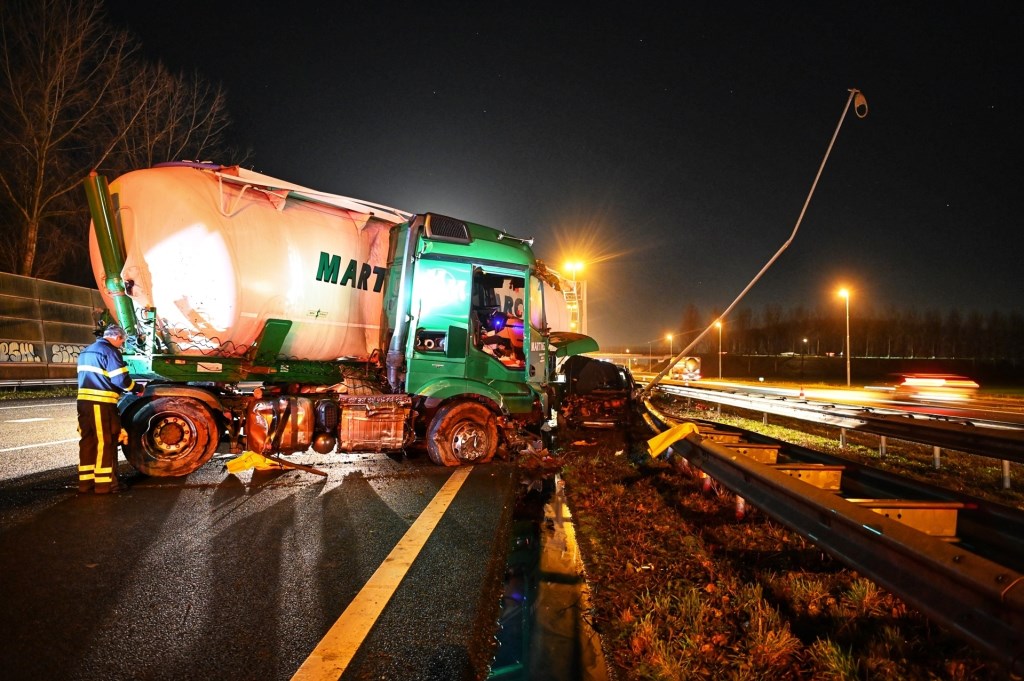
<point>102,373</point>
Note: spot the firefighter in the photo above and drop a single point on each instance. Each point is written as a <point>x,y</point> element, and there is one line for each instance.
<point>102,379</point>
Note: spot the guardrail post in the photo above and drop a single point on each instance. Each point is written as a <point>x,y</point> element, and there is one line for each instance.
<point>937,456</point>
<point>1006,474</point>
<point>764,419</point>
<point>881,446</point>
<point>842,438</point>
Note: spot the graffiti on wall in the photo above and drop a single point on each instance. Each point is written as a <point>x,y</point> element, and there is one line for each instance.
<point>26,352</point>
<point>65,353</point>
<point>18,352</point>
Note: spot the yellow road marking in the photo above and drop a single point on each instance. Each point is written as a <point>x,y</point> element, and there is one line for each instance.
<point>332,655</point>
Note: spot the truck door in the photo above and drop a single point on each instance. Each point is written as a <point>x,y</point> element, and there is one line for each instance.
<point>440,309</point>
<point>540,365</point>
<point>547,338</point>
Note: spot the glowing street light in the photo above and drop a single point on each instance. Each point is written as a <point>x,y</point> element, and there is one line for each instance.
<point>629,360</point>
<point>845,295</point>
<point>718,325</point>
<point>670,351</point>
<point>573,266</point>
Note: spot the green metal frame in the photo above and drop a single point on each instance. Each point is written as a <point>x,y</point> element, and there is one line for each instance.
<point>112,251</point>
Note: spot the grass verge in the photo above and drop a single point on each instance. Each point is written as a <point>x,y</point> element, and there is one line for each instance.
<point>681,590</point>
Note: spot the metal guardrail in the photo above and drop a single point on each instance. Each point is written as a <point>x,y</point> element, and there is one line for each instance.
<point>971,596</point>
<point>36,382</point>
<point>984,438</point>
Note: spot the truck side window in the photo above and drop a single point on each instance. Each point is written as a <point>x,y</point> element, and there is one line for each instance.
<point>496,329</point>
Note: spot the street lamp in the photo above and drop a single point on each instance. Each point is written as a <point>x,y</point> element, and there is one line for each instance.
<point>574,266</point>
<point>845,295</point>
<point>671,353</point>
<point>719,325</point>
<point>629,360</point>
<point>803,354</point>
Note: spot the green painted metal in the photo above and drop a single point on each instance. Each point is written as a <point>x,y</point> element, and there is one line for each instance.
<point>569,344</point>
<point>512,397</point>
<point>112,250</point>
<point>213,369</point>
<point>485,248</point>
<point>270,341</point>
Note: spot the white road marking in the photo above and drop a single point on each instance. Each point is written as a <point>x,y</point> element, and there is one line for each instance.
<point>36,406</point>
<point>331,656</point>
<point>40,444</point>
<point>32,420</point>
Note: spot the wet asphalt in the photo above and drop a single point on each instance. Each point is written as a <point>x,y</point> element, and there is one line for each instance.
<point>238,577</point>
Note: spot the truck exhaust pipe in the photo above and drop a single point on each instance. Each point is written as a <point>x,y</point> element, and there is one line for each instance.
<point>395,360</point>
<point>112,250</point>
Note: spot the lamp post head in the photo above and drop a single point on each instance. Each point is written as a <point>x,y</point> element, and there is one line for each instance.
<point>844,293</point>
<point>572,267</point>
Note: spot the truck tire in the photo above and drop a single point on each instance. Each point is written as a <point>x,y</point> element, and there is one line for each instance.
<point>462,432</point>
<point>171,436</point>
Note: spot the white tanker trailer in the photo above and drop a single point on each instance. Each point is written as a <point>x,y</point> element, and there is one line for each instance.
<point>362,324</point>
<point>219,253</point>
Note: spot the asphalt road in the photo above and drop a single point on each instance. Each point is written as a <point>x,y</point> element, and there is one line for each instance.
<point>238,576</point>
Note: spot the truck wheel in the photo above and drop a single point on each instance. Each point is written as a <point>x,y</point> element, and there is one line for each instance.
<point>463,432</point>
<point>171,436</point>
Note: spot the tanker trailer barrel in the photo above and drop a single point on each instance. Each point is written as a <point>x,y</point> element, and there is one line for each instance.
<point>111,246</point>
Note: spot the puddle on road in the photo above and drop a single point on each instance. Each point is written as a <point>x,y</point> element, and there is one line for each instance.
<point>542,630</point>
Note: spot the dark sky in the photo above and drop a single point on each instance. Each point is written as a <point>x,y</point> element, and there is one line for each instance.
<point>670,149</point>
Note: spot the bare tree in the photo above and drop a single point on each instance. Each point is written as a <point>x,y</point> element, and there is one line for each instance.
<point>60,73</point>
<point>181,117</point>
<point>75,97</point>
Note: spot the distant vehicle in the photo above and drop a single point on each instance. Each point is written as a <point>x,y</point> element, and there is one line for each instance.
<point>935,387</point>
<point>686,369</point>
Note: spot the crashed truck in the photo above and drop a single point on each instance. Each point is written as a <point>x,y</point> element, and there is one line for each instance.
<point>273,318</point>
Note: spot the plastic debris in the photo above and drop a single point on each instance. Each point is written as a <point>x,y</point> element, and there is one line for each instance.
<point>250,459</point>
<point>659,443</point>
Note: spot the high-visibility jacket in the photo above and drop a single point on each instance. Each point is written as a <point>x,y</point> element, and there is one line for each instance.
<point>102,373</point>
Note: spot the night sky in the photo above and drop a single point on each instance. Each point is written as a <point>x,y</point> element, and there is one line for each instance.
<point>669,149</point>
